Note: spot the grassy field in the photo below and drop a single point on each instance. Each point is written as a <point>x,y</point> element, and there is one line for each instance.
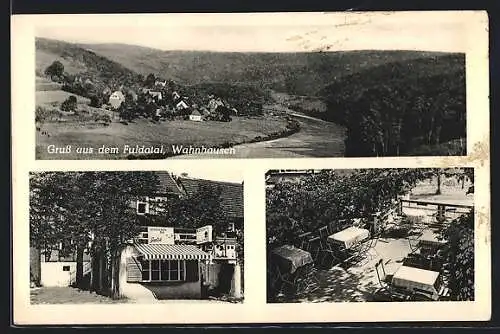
<point>49,93</point>
<point>145,132</point>
<point>57,96</point>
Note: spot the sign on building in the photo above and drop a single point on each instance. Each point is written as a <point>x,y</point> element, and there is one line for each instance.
<point>161,235</point>
<point>204,234</point>
<point>225,249</point>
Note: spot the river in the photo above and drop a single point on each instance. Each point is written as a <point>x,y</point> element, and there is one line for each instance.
<point>316,138</point>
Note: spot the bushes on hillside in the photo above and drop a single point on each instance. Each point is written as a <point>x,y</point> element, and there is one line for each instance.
<point>56,69</point>
<point>70,104</point>
<point>43,114</point>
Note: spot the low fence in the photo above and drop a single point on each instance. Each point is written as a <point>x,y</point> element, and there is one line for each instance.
<point>441,210</point>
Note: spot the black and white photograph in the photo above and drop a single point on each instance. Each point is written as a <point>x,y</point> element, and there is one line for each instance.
<point>370,235</point>
<point>250,168</point>
<point>352,85</point>
<point>134,237</point>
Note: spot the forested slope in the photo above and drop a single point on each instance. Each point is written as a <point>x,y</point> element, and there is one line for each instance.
<point>400,107</point>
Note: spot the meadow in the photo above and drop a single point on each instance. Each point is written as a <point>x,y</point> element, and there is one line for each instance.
<point>146,132</point>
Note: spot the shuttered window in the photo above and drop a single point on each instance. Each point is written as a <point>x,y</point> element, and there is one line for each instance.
<point>134,270</point>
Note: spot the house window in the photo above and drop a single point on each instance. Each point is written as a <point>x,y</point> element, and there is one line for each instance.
<point>163,270</point>
<point>142,208</point>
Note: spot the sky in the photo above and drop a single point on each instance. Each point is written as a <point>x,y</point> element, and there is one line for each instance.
<point>441,31</point>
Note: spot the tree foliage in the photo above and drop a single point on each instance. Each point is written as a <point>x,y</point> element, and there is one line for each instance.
<point>199,209</point>
<point>396,108</point>
<point>69,104</point>
<point>150,80</point>
<point>332,196</point>
<point>55,69</point>
<point>91,209</point>
<point>128,109</point>
<point>459,267</point>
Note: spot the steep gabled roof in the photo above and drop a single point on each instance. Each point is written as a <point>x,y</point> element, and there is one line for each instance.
<point>196,112</point>
<point>231,193</point>
<point>168,185</point>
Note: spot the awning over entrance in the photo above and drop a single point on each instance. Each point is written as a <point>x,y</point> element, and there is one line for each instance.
<point>171,252</point>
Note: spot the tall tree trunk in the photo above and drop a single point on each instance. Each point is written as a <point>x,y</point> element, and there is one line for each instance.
<point>79,266</point>
<point>438,190</point>
<point>113,275</point>
<point>438,135</point>
<point>102,269</point>
<point>431,130</point>
<point>35,268</point>
<point>94,273</point>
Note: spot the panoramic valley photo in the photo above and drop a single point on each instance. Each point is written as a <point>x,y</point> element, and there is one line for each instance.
<point>250,91</point>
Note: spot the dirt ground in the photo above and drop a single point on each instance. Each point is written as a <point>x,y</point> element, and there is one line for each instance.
<point>68,295</point>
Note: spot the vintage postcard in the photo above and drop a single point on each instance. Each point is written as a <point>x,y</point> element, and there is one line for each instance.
<point>288,168</point>
<point>349,85</point>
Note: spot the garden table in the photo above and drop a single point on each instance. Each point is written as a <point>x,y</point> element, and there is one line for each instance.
<point>349,237</point>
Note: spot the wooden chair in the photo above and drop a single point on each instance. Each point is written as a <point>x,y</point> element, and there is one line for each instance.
<point>304,241</point>
<point>323,232</point>
<point>332,227</point>
<point>308,280</point>
<point>329,252</point>
<point>314,247</point>
<point>284,279</point>
<point>384,280</point>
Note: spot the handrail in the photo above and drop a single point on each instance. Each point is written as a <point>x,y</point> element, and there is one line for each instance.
<point>468,206</point>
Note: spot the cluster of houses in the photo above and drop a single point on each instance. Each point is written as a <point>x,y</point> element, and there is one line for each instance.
<point>165,262</point>
<point>171,102</point>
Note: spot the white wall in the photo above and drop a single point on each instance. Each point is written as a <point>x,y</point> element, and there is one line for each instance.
<point>52,273</point>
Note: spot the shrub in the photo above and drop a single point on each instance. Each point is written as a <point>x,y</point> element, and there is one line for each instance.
<point>69,104</point>
<point>55,69</point>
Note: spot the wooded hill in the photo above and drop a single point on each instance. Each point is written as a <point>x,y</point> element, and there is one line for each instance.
<point>104,72</point>
<point>303,73</point>
<point>76,60</point>
<point>400,107</point>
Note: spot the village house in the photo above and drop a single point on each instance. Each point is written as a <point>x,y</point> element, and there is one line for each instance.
<point>132,94</point>
<point>196,116</point>
<point>56,266</point>
<point>160,83</point>
<point>175,96</point>
<point>116,99</point>
<point>182,105</point>
<point>175,262</point>
<point>156,95</point>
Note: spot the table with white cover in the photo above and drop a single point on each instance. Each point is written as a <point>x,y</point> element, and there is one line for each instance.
<point>412,278</point>
<point>349,238</point>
